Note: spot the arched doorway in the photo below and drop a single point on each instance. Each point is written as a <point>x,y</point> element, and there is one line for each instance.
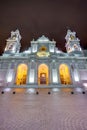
<point>21,74</point>
<point>64,74</point>
<point>43,74</point>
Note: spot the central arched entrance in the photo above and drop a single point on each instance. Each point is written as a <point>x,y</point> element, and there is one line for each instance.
<point>43,74</point>
<point>64,72</point>
<point>21,74</point>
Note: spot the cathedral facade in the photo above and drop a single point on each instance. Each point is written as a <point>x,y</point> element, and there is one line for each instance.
<point>43,65</point>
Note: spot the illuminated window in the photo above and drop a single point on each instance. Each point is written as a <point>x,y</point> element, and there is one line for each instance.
<point>43,74</point>
<point>21,74</point>
<point>64,74</point>
<point>75,46</point>
<point>43,48</point>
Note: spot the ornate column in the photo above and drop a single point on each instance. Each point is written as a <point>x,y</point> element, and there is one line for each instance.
<point>54,72</point>
<point>32,72</point>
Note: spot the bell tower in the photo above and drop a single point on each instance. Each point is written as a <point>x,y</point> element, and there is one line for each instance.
<point>72,42</point>
<point>13,43</point>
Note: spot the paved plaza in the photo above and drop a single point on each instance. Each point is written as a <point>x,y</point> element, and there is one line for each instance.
<point>56,111</point>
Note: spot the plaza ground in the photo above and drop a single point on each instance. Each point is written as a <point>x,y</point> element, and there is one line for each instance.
<point>59,110</point>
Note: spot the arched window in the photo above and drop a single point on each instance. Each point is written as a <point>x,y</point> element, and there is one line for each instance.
<point>43,74</point>
<point>21,75</point>
<point>64,74</point>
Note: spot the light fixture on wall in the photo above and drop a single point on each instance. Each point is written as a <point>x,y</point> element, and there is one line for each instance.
<point>9,78</point>
<point>76,78</point>
<point>31,80</point>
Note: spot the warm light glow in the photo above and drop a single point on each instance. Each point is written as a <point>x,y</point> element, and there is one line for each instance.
<point>43,71</point>
<point>64,74</point>
<point>19,90</point>
<point>43,54</point>
<point>66,89</point>
<point>21,74</point>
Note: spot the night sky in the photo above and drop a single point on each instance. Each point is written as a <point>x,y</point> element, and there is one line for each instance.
<point>35,18</point>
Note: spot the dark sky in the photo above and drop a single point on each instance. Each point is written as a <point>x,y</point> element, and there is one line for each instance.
<point>37,17</point>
